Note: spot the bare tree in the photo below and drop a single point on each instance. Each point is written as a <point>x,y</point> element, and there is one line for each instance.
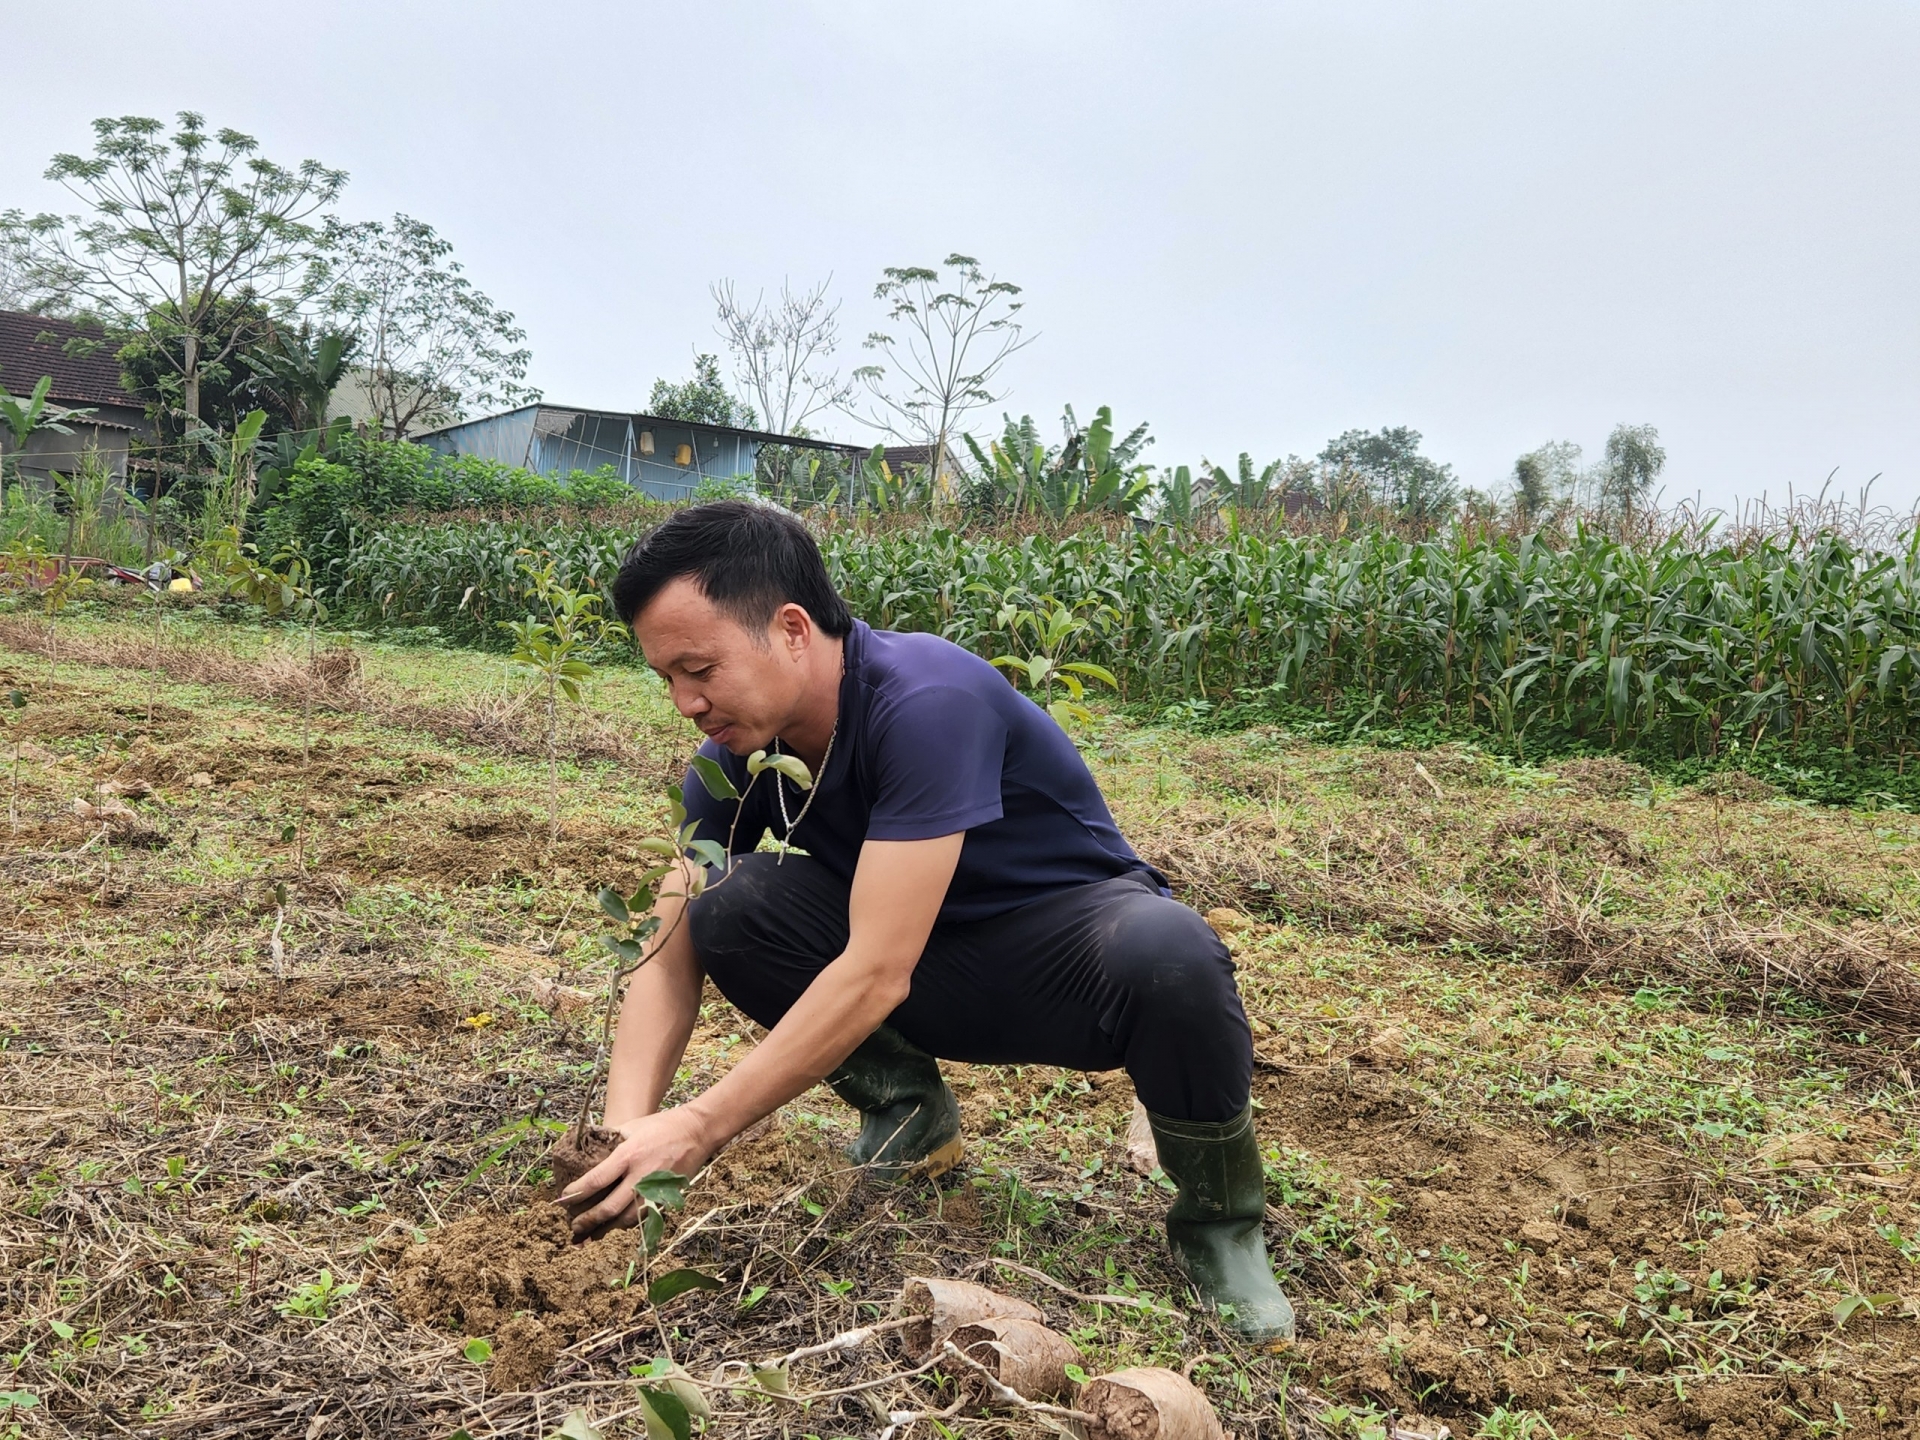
<point>430,343</point>
<point>181,227</point>
<point>947,350</point>
<point>781,352</point>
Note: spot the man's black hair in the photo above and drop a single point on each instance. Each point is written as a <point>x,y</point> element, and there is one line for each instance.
<point>748,559</point>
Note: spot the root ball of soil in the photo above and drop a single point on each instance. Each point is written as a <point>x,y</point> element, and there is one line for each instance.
<point>1023,1355</point>
<point>940,1307</point>
<point>1148,1404</point>
<point>577,1152</point>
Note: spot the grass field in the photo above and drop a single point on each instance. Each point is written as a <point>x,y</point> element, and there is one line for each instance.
<point>1587,1101</point>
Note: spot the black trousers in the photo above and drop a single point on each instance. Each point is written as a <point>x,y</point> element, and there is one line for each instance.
<point>1101,977</point>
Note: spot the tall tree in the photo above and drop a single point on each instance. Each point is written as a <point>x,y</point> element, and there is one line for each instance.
<point>1632,465</point>
<point>948,345</point>
<point>782,351</point>
<point>151,367</point>
<point>1387,467</point>
<point>704,399</point>
<point>179,227</point>
<point>431,345</point>
<point>1545,477</point>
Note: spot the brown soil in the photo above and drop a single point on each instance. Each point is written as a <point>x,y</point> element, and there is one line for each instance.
<point>520,1281</point>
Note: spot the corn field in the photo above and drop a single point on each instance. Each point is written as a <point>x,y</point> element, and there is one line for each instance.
<point>1691,649</point>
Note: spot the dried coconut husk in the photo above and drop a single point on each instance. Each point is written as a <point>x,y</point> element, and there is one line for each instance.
<point>1023,1355</point>
<point>942,1306</point>
<point>577,1152</point>
<point>1147,1403</point>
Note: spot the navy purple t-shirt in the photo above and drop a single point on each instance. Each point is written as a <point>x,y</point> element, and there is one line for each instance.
<point>933,740</point>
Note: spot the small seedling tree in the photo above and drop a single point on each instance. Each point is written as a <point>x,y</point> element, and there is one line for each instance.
<point>635,934</point>
<point>554,647</point>
<point>286,588</point>
<point>16,708</point>
<point>1055,629</point>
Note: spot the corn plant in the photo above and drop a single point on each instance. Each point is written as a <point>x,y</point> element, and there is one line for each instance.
<point>553,646</point>
<point>1686,645</point>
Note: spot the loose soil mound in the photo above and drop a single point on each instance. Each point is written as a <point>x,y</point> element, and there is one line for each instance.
<point>520,1281</point>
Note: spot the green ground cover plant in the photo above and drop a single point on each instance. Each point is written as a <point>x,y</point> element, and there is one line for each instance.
<point>1584,1094</point>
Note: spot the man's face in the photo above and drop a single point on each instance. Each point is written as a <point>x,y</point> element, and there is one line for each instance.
<point>738,687</point>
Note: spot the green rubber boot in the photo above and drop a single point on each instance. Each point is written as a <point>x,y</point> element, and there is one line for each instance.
<point>1214,1225</point>
<point>909,1120</point>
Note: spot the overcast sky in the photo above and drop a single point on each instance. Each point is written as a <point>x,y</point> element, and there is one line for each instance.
<point>1252,225</point>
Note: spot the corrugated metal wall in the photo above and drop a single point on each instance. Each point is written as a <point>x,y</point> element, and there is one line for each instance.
<point>556,442</point>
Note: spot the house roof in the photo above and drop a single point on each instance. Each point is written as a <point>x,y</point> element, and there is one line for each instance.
<point>901,455</point>
<point>91,378</point>
<point>556,419</point>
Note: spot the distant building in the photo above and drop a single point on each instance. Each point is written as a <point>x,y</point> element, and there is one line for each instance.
<point>86,374</point>
<point>664,458</point>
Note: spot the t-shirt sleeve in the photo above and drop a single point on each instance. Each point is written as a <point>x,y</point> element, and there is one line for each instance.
<point>716,817</point>
<point>938,756</point>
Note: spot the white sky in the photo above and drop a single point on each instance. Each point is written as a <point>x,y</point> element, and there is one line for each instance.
<point>1254,225</point>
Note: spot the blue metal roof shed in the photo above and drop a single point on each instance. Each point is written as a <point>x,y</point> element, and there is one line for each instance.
<point>664,458</point>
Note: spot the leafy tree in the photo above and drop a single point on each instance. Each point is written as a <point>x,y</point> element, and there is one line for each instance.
<point>781,352</point>
<point>1387,468</point>
<point>236,329</point>
<point>950,341</point>
<point>431,345</point>
<point>1632,464</point>
<point>180,228</point>
<point>1545,478</point>
<point>704,399</point>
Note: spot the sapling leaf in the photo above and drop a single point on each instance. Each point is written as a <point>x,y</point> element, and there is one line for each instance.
<point>627,950</point>
<point>714,778</point>
<point>652,1226</point>
<point>771,1378</point>
<point>665,1416</point>
<point>1092,672</point>
<point>678,1282</point>
<point>615,905</point>
<point>709,852</point>
<point>676,807</point>
<point>793,768</point>
<point>663,1188</point>
<point>656,845</point>
<point>577,1427</point>
<point>478,1350</point>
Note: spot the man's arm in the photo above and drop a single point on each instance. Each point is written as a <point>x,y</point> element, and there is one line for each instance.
<point>898,888</point>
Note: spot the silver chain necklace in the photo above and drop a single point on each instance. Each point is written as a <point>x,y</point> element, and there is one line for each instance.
<point>826,756</point>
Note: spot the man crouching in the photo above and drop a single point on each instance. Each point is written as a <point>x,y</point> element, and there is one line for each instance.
<point>965,894</point>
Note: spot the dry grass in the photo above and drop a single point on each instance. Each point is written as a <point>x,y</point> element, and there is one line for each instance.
<point>1526,1057</point>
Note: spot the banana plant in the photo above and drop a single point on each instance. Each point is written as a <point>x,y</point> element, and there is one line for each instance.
<point>26,417</point>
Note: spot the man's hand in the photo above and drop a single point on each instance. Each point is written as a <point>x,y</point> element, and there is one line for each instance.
<point>667,1140</point>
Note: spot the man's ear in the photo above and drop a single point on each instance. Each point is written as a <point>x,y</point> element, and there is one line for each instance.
<point>794,626</point>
